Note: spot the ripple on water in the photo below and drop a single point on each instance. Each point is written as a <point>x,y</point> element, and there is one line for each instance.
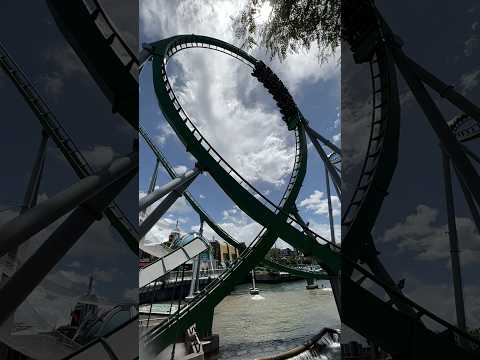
<point>287,316</point>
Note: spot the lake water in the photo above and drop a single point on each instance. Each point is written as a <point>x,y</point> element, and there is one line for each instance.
<point>280,318</point>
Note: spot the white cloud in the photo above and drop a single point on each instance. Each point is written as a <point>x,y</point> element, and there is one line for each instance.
<point>323,229</point>
<point>318,202</point>
<point>336,138</point>
<point>253,140</point>
<point>250,136</point>
<point>420,233</point>
<point>164,132</point>
<point>469,81</point>
<point>180,169</point>
<point>235,223</point>
<point>53,84</point>
<point>300,69</point>
<point>99,156</point>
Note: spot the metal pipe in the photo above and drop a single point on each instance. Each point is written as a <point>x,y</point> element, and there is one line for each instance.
<point>153,180</point>
<point>471,204</point>
<point>445,91</point>
<point>163,207</point>
<point>20,229</point>
<point>331,169</point>
<point>325,141</point>
<point>450,144</point>
<point>31,194</point>
<point>172,185</point>
<point>453,237</point>
<point>330,212</point>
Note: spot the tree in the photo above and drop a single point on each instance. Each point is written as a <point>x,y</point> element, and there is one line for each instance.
<point>291,25</point>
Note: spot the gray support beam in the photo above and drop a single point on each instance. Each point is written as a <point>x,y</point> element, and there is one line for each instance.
<point>145,55</point>
<point>195,276</point>
<point>330,210</point>
<point>163,207</point>
<point>174,184</point>
<point>153,180</point>
<point>471,204</point>
<point>20,229</point>
<point>31,194</point>
<point>57,245</point>
<point>445,91</point>
<point>438,123</point>
<point>454,251</point>
<point>331,169</point>
<point>325,141</point>
<point>30,200</point>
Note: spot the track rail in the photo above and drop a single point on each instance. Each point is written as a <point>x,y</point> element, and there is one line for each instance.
<point>380,159</point>
<point>108,58</point>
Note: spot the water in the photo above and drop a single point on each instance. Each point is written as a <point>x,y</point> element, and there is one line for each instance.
<point>281,317</point>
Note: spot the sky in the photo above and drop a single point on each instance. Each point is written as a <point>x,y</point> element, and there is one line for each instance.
<point>237,116</point>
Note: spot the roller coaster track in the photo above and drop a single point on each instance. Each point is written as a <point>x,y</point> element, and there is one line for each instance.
<point>108,58</point>
<point>204,216</point>
<point>203,304</point>
<point>421,341</point>
<point>64,143</point>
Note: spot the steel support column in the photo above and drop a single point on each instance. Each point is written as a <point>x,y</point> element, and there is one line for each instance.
<point>31,194</point>
<point>153,180</point>
<point>438,123</point>
<point>471,204</point>
<point>328,143</point>
<point>174,184</point>
<point>163,207</point>
<point>331,169</point>
<point>330,211</point>
<point>444,90</point>
<point>453,238</point>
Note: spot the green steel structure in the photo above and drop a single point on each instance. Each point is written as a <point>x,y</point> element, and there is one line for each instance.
<point>383,315</point>
<point>368,299</point>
